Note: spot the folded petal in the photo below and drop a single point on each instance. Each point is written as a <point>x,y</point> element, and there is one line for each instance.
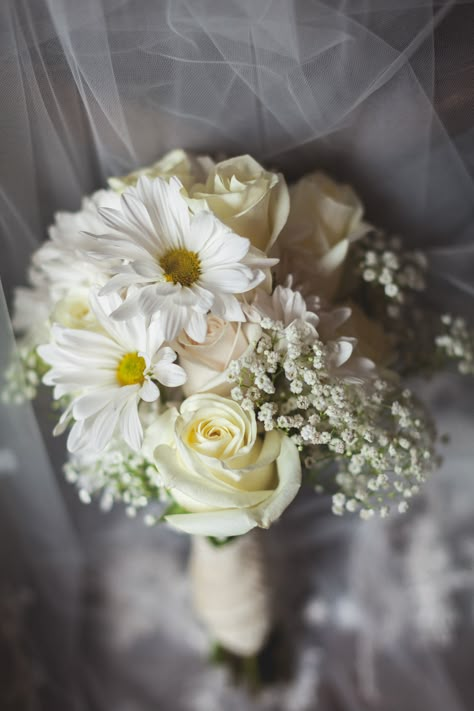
<point>232,522</point>
<point>289,482</point>
<point>204,492</point>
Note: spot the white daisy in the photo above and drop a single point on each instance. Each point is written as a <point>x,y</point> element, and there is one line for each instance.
<point>288,307</point>
<point>183,265</point>
<point>62,263</point>
<point>284,304</point>
<point>61,270</point>
<point>107,374</point>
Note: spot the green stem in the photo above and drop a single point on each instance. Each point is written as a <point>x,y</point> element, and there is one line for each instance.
<point>244,670</point>
<point>251,672</point>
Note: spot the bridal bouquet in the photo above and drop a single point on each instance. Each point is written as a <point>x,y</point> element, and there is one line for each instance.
<point>213,339</point>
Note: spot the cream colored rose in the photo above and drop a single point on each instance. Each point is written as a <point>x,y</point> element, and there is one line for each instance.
<point>73,310</point>
<point>325,217</point>
<point>221,471</point>
<point>252,201</point>
<point>175,163</point>
<point>206,363</point>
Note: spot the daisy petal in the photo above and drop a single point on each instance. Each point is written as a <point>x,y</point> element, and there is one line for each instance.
<point>90,404</point>
<point>172,321</point>
<point>120,281</point>
<point>130,425</point>
<point>76,437</point>
<point>149,392</point>
<point>166,355</point>
<point>197,327</point>
<point>169,374</point>
<point>234,279</point>
<point>149,301</point>
<point>166,207</point>
<point>100,428</point>
<point>128,308</point>
<point>228,308</point>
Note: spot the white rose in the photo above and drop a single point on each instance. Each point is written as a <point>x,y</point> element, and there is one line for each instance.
<point>227,477</point>
<point>206,363</point>
<point>252,201</point>
<point>73,310</point>
<point>175,163</point>
<point>325,217</point>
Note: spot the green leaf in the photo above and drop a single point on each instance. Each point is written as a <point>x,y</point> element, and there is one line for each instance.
<point>218,542</point>
<point>173,509</point>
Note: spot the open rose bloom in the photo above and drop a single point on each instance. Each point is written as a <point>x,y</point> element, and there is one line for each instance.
<point>214,338</point>
<point>227,477</point>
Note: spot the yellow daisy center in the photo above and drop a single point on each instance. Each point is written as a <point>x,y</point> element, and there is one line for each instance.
<point>130,369</point>
<point>181,266</point>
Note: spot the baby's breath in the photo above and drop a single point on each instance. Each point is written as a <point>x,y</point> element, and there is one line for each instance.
<point>119,475</point>
<point>23,376</point>
<point>381,262</point>
<point>455,342</point>
<point>391,282</point>
<point>380,438</point>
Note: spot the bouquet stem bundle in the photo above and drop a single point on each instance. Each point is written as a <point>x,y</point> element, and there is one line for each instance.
<point>231,593</point>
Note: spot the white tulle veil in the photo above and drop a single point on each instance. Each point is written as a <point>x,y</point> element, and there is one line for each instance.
<point>379,93</point>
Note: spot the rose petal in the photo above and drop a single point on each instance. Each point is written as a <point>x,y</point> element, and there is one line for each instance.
<point>234,522</point>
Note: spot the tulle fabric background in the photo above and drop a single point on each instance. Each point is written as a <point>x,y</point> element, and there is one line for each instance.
<point>381,94</point>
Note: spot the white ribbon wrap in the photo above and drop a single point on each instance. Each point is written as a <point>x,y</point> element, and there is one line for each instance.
<point>231,592</point>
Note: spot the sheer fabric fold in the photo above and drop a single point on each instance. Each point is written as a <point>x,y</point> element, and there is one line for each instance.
<point>376,92</point>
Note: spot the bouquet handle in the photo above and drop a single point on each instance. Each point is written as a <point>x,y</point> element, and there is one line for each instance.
<point>231,592</point>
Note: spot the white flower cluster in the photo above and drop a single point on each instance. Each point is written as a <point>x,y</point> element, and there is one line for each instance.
<point>391,282</point>
<point>381,440</point>
<point>456,342</point>
<point>22,377</point>
<point>186,371</point>
<point>119,475</point>
<point>382,262</point>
